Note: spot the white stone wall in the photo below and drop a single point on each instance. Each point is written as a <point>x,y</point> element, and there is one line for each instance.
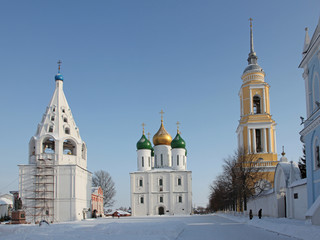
<point>72,193</point>
<point>267,203</point>
<point>286,205</point>
<point>297,207</point>
<point>153,192</point>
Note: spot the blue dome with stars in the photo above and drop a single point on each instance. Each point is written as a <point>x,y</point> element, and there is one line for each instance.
<point>58,77</point>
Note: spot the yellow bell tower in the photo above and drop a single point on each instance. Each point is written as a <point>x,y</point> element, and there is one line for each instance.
<point>256,130</point>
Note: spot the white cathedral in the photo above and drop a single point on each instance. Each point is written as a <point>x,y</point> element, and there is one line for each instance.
<point>162,184</point>
<point>55,185</point>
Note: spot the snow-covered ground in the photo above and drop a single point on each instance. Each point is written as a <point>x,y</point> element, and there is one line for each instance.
<point>289,227</point>
<point>216,226</point>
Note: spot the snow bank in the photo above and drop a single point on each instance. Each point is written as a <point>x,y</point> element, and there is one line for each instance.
<point>289,227</point>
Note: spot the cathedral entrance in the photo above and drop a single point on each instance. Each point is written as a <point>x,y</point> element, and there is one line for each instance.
<point>161,210</point>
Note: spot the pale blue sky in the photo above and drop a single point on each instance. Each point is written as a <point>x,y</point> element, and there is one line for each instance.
<point>124,61</point>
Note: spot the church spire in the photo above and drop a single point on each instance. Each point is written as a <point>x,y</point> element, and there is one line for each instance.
<point>252,59</point>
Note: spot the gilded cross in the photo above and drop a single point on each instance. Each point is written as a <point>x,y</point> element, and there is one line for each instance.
<point>143,125</point>
<point>250,19</point>
<point>178,123</point>
<point>59,64</point>
<point>162,112</point>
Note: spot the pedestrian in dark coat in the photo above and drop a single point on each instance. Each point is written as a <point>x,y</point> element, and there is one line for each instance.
<point>250,214</point>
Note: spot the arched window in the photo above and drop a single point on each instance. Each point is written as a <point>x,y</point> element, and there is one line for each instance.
<point>316,154</point>
<point>50,129</point>
<point>161,156</point>
<point>160,182</point>
<point>140,182</point>
<point>69,147</point>
<point>177,160</point>
<point>142,162</point>
<point>179,181</point>
<point>65,120</point>
<point>180,199</point>
<point>67,130</point>
<point>155,161</point>
<point>52,118</point>
<point>316,91</point>
<point>141,200</point>
<point>256,104</point>
<point>48,145</point>
<point>258,140</point>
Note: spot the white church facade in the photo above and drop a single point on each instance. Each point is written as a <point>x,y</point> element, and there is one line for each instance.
<point>55,185</point>
<point>162,185</point>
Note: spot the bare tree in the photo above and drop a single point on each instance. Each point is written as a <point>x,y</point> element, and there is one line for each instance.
<point>242,178</point>
<point>103,179</point>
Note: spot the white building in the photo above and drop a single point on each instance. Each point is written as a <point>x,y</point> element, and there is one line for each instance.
<point>162,184</point>
<point>288,197</point>
<point>55,185</point>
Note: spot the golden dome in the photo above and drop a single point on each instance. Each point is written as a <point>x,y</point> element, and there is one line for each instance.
<point>162,137</point>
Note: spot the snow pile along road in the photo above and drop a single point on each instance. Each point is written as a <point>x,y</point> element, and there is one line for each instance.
<point>290,227</point>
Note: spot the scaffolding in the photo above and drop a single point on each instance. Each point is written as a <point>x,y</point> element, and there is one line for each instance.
<point>39,191</point>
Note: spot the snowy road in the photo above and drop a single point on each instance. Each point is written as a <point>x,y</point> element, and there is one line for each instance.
<point>142,228</point>
<point>215,227</point>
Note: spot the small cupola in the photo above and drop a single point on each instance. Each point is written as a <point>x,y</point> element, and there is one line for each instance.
<point>143,143</point>
<point>178,141</point>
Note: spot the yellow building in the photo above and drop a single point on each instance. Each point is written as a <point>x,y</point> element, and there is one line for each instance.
<point>256,130</point>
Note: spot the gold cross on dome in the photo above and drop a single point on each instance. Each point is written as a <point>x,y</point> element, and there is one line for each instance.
<point>59,64</point>
<point>162,112</point>
<point>178,123</point>
<point>143,125</point>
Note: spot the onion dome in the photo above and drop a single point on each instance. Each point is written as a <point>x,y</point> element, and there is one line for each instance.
<point>144,143</point>
<point>58,77</point>
<point>162,137</point>
<point>178,142</point>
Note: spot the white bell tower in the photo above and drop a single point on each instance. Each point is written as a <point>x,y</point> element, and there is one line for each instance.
<point>55,185</point>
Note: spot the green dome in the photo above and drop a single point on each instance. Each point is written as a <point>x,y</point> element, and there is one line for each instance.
<point>144,143</point>
<point>178,142</point>
<point>152,152</point>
